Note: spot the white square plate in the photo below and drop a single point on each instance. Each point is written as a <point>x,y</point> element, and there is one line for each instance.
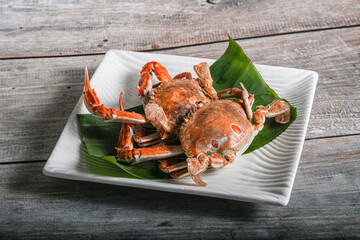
<point>265,175</point>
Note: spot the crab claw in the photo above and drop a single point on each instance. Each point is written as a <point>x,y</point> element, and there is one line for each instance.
<point>92,102</point>
<point>280,110</point>
<point>195,168</point>
<point>145,83</point>
<point>205,79</point>
<point>156,114</point>
<point>160,71</point>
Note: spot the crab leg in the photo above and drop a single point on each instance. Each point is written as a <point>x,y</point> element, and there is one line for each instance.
<point>151,153</point>
<point>245,99</point>
<point>127,136</point>
<point>177,170</point>
<point>129,154</point>
<point>145,82</point>
<point>180,174</point>
<point>278,109</point>
<point>230,92</point>
<point>94,106</point>
<point>198,165</point>
<point>147,144</point>
<point>154,138</point>
<point>237,93</point>
<point>234,92</point>
<point>166,167</point>
<point>139,130</point>
<point>148,138</point>
<point>125,141</point>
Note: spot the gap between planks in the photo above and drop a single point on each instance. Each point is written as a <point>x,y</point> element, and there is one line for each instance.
<point>185,46</point>
<point>175,23</point>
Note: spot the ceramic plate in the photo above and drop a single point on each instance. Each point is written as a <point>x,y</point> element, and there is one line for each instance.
<point>263,176</point>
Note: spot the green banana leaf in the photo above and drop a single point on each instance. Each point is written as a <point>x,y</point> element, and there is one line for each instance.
<point>231,68</point>
<point>98,166</point>
<point>234,67</point>
<point>100,139</point>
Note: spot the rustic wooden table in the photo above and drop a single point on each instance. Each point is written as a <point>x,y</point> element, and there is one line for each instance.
<point>44,48</point>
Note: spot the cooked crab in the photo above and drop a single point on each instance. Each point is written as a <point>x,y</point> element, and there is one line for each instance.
<point>214,133</point>
<point>219,131</point>
<point>165,104</point>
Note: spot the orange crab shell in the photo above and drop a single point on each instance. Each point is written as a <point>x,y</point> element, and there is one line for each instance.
<point>218,126</point>
<point>177,97</point>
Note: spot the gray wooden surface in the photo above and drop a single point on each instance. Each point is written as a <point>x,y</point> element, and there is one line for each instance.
<point>44,46</point>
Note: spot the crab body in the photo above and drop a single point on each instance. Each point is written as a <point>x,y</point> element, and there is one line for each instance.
<point>219,131</point>
<point>219,127</point>
<point>176,99</point>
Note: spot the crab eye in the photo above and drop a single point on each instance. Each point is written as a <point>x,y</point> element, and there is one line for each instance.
<point>214,144</point>
<point>236,129</point>
<point>198,103</point>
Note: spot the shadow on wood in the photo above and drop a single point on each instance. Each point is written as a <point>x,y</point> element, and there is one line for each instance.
<point>27,181</point>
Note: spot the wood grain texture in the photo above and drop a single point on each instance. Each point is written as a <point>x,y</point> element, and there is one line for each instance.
<point>47,28</point>
<point>38,95</point>
<point>324,205</point>
<point>40,87</point>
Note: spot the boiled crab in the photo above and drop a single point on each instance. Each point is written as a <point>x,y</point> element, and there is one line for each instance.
<point>215,131</point>
<point>220,131</point>
<point>165,104</point>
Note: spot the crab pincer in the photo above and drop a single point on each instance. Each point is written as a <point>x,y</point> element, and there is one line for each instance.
<point>205,79</point>
<point>94,106</point>
<point>145,82</point>
<point>92,102</point>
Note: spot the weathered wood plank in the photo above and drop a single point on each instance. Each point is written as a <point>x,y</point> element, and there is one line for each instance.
<point>43,28</point>
<point>38,95</point>
<point>324,204</point>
